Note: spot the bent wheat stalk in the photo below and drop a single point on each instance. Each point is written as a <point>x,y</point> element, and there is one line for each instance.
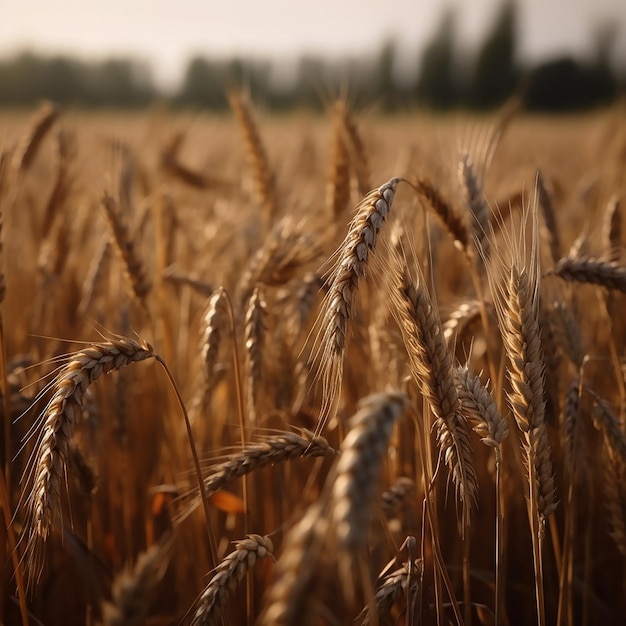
<point>59,419</point>
<point>48,464</point>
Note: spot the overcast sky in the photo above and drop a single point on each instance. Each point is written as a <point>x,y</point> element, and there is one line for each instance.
<point>167,32</point>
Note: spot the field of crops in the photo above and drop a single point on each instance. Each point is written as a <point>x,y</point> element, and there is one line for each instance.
<point>360,369</point>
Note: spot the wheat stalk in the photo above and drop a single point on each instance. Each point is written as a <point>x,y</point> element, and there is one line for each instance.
<point>479,407</point>
<point>544,195</point>
<point>402,581</point>
<point>124,242</point>
<point>397,496</point>
<point>29,147</point>
<point>177,277</point>
<point>291,600</point>
<point>359,465</point>
<point>264,179</point>
<point>215,320</point>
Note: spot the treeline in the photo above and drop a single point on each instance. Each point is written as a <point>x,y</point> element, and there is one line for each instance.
<point>28,78</point>
<point>446,77</point>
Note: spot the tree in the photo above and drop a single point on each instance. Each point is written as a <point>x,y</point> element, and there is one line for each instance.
<point>437,83</point>
<point>203,85</point>
<point>384,83</point>
<point>495,73</point>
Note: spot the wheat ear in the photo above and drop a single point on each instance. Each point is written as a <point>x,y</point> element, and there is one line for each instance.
<point>431,367</point>
<point>228,574</point>
<point>215,319</point>
<point>264,180</point>
<point>291,600</point>
<point>286,249</point>
<point>43,122</point>
<point>397,496</point>
<point>448,215</point>
<point>338,181</point>
<point>544,194</point>
<point>59,419</point>
<point>94,274</point>
<point>133,591</point>
<point>270,451</point>
<point>256,312</point>
<point>475,201</point>
<point>139,281</point>
<point>612,229</point>
<point>586,269</point>
<point>350,267</point>
<point>358,467</point>
<point>480,408</point>
<point>605,418</point>
<point>460,319</point>
<point>615,498</point>
<point>402,581</point>
<point>355,142</point>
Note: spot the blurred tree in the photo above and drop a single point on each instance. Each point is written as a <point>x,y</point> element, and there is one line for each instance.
<point>206,82</point>
<point>119,82</point>
<point>203,85</point>
<point>383,83</point>
<point>62,80</point>
<point>564,84</point>
<point>495,73</point>
<point>28,78</point>
<point>437,83</point>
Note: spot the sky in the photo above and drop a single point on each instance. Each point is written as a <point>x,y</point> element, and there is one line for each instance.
<point>167,32</point>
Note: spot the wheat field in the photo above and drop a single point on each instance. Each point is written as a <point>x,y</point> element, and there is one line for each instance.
<point>359,369</point>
